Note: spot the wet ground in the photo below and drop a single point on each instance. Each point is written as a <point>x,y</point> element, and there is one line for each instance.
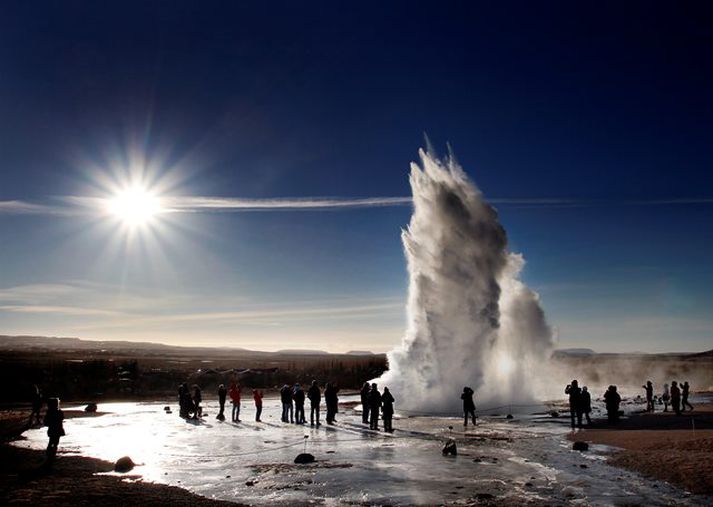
<point>525,460</point>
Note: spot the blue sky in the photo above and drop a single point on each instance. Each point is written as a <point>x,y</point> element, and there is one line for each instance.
<point>589,127</point>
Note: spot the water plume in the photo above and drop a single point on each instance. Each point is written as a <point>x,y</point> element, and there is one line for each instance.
<point>470,320</point>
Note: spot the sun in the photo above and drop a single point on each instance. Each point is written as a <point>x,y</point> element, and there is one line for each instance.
<point>135,206</point>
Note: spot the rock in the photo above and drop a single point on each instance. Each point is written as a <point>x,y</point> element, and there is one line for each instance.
<point>450,448</point>
<point>123,465</point>
<point>91,408</point>
<point>583,466</point>
<point>580,446</point>
<point>304,458</point>
<point>509,416</point>
<point>250,483</point>
<point>554,413</point>
<point>166,408</point>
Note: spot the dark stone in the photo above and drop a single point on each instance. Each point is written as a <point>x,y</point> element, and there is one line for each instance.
<point>554,413</point>
<point>583,466</point>
<point>250,483</point>
<point>580,446</point>
<point>123,465</point>
<point>529,484</point>
<point>166,408</point>
<point>304,458</point>
<point>509,416</point>
<point>91,408</point>
<point>450,448</point>
<point>484,496</point>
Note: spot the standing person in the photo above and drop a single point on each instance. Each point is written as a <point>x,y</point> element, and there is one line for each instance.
<point>235,394</point>
<point>685,390</point>
<point>332,401</point>
<point>286,397</point>
<point>315,397</point>
<point>374,407</point>
<point>365,402</point>
<point>54,418</point>
<point>37,405</point>
<point>257,396</point>
<point>197,399</point>
<point>468,405</point>
<point>575,402</point>
<point>387,410</point>
<point>586,404</point>
<point>665,397</point>
<point>222,394</point>
<point>299,396</point>
<point>612,401</point>
<point>182,407</point>
<point>649,396</point>
<point>675,398</point>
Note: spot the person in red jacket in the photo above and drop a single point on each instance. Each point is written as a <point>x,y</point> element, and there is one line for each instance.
<point>257,396</point>
<point>235,398</point>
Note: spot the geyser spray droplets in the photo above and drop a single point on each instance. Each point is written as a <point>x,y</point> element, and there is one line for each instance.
<point>470,321</point>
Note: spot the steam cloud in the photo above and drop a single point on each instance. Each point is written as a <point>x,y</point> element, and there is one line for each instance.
<point>470,320</point>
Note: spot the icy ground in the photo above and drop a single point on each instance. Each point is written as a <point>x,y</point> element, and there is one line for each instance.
<point>526,460</point>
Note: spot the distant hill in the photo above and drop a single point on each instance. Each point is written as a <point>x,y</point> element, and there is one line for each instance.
<point>573,352</point>
<point>360,353</point>
<point>67,345</point>
<point>302,352</point>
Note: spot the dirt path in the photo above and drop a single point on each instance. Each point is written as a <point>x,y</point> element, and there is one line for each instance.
<point>663,446</point>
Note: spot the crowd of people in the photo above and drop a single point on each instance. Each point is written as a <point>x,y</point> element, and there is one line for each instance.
<point>676,396</point>
<point>580,401</point>
<point>373,402</point>
<point>293,400</point>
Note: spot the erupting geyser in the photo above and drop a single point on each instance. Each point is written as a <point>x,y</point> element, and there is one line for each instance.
<point>470,320</point>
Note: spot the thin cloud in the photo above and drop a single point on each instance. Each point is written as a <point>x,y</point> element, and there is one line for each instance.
<point>16,207</point>
<point>308,203</point>
<point>77,205</point>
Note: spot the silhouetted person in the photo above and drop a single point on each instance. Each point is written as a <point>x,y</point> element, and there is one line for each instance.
<point>374,407</point>
<point>675,398</point>
<point>468,405</point>
<point>257,397</point>
<point>197,399</point>
<point>586,404</point>
<point>286,398</point>
<point>222,394</point>
<point>649,387</point>
<point>185,403</point>
<point>685,390</point>
<point>365,402</point>
<point>575,402</point>
<point>36,406</point>
<point>299,396</point>
<point>315,397</point>
<point>332,401</point>
<point>235,395</point>
<point>387,410</point>
<point>54,418</point>
<point>665,397</point>
<point>612,401</point>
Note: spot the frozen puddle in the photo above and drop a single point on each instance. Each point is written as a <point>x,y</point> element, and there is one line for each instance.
<point>504,462</point>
